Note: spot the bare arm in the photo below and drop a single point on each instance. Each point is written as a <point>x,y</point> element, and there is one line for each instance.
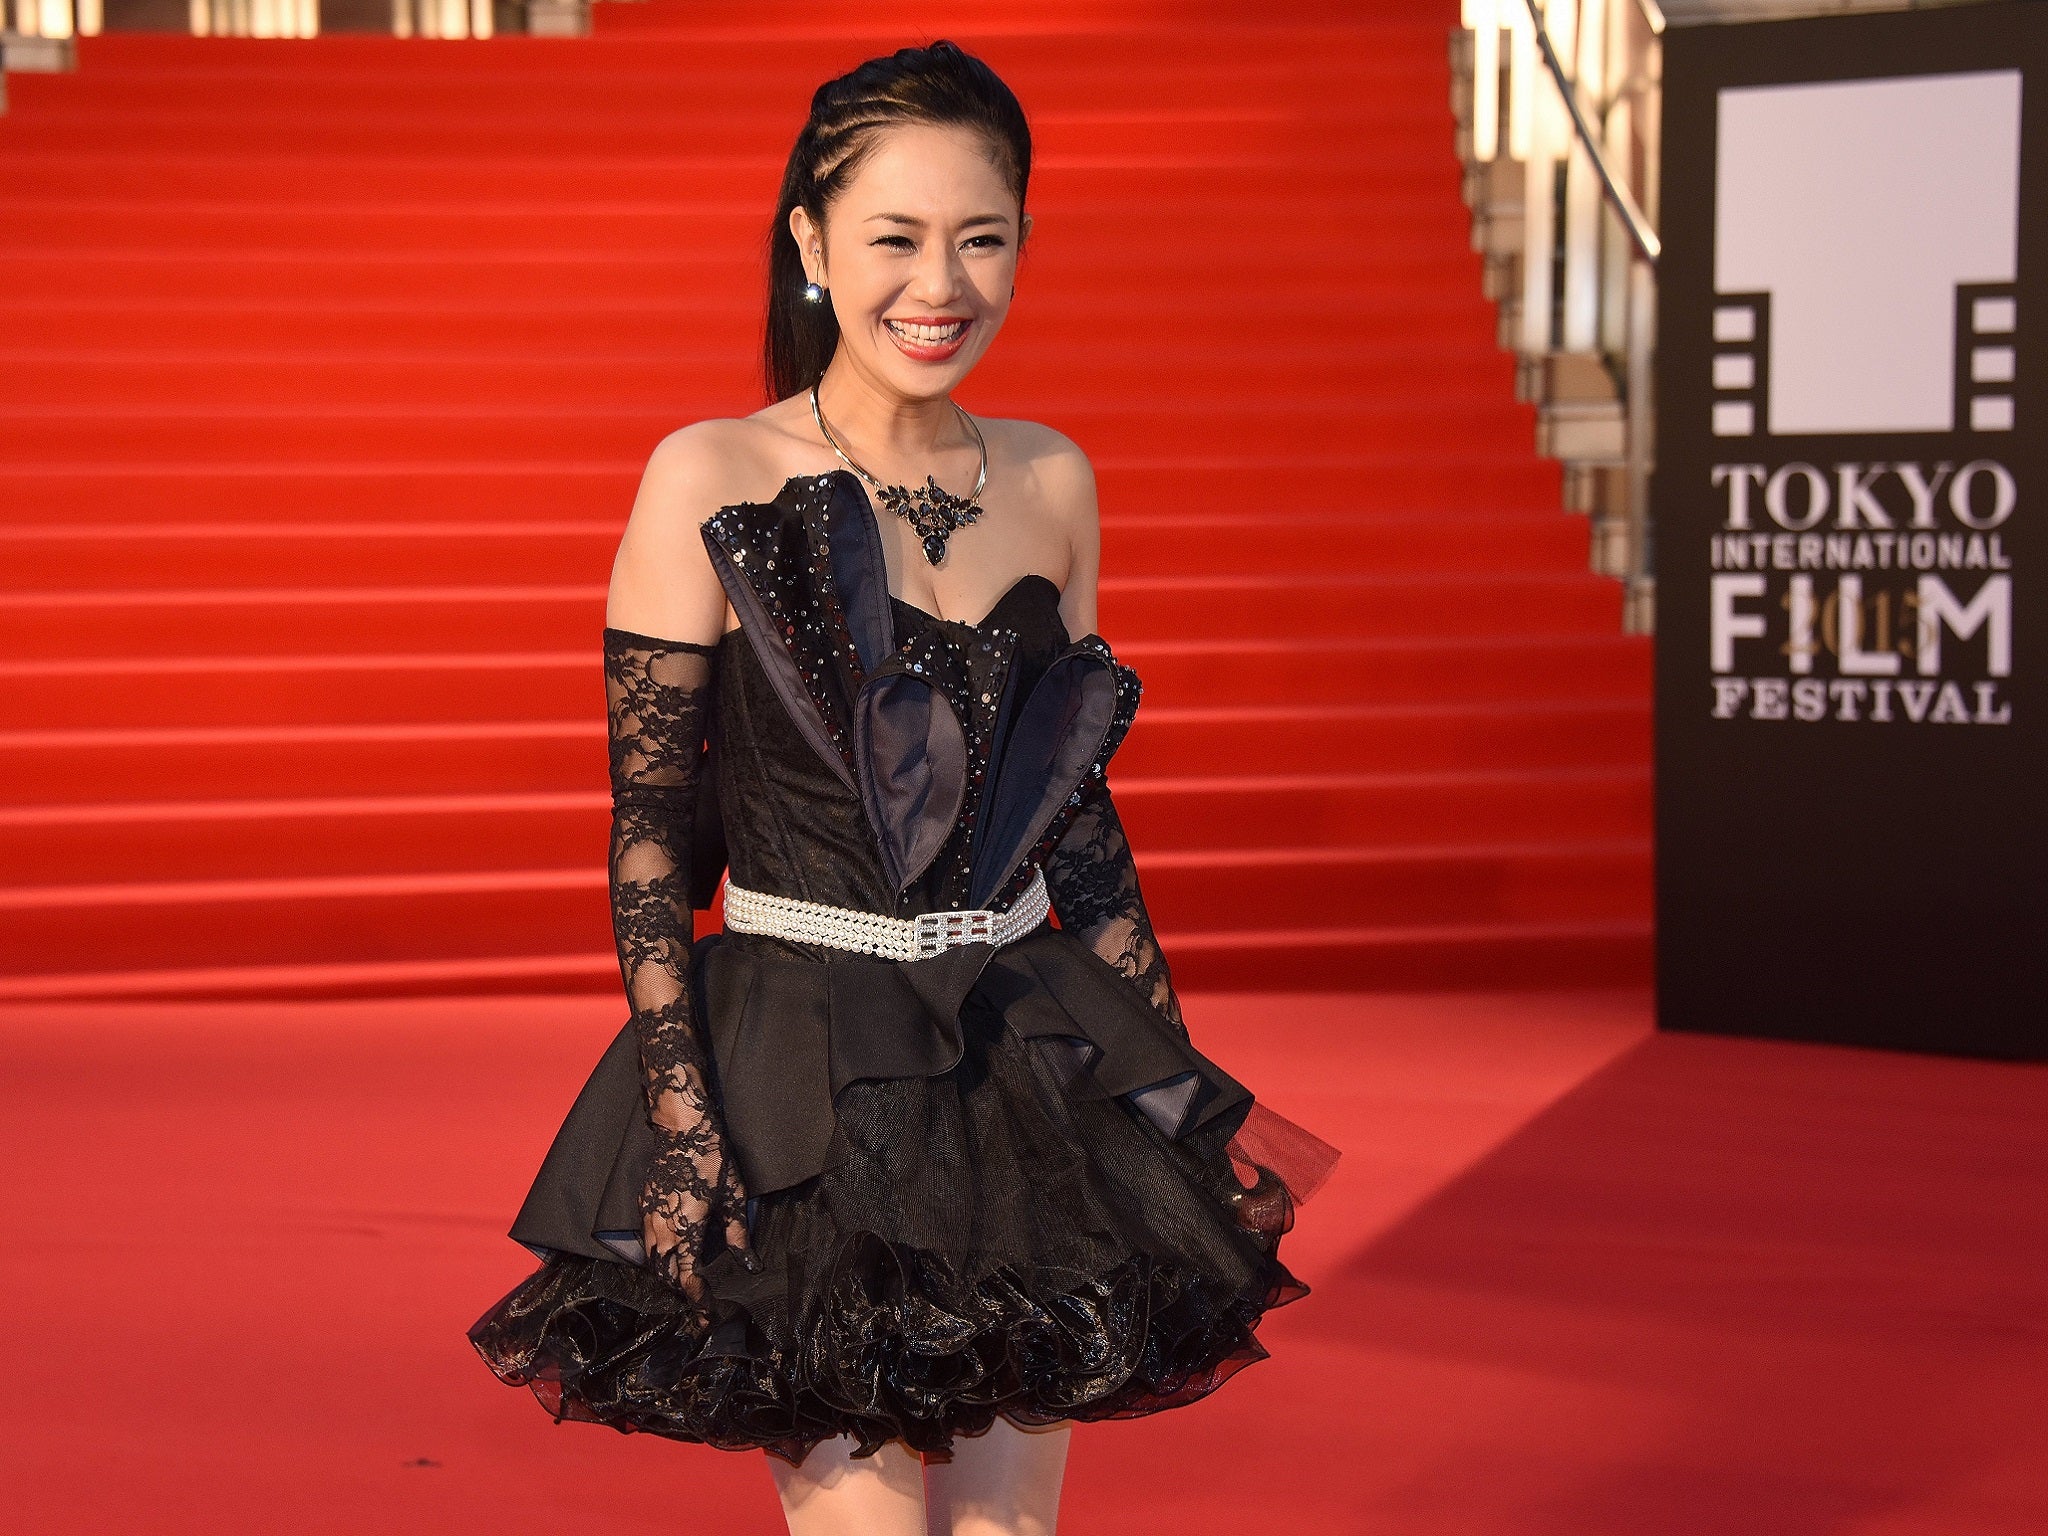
<point>1068,483</point>
<point>662,581</point>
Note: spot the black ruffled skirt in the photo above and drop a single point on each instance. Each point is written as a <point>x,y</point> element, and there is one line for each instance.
<point>991,1239</point>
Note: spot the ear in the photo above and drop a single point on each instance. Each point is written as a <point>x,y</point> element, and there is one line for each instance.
<point>1024,232</point>
<point>810,242</point>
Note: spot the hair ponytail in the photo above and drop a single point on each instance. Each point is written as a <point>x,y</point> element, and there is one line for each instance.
<point>940,85</point>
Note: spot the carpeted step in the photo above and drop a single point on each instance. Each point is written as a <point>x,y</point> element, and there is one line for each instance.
<point>142,557</point>
<point>147,841</point>
<point>1403,957</point>
<point>45,380</point>
<point>331,919</point>
<point>1365,424</point>
<point>70,766</point>
<point>1131,488</point>
<point>291,689</point>
<point>330,368</point>
<point>213,621</point>
<point>1089,236</point>
<point>578,324</point>
<point>1410,956</point>
<point>1186,183</point>
<point>260,491</point>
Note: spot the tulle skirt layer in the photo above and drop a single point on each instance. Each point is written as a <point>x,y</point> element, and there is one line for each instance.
<point>991,1242</point>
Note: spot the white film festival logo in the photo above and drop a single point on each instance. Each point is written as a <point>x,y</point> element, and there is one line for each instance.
<point>1865,569</point>
<point>1865,256</point>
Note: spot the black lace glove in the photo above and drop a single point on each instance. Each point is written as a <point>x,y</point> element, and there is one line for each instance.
<point>1093,882</point>
<point>657,695</point>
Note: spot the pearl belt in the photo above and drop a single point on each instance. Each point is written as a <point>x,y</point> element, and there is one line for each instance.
<point>876,933</point>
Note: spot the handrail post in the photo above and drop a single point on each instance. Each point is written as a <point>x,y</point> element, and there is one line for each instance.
<point>1639,596</point>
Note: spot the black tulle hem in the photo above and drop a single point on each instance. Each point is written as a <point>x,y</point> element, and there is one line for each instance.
<point>1004,1238</point>
<point>906,1351</point>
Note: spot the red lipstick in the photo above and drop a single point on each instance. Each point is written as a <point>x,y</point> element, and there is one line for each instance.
<point>929,351</point>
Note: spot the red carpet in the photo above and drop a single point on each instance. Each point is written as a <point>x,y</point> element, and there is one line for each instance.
<point>329,367</point>
<point>1571,1279</point>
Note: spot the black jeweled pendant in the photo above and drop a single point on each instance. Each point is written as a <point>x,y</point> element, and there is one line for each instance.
<point>932,511</point>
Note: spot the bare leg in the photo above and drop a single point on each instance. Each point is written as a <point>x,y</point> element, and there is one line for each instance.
<point>831,1494</point>
<point>1003,1483</point>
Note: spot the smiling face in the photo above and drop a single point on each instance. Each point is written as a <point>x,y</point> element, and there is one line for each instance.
<point>919,254</point>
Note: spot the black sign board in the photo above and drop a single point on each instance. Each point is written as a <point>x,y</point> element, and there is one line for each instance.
<point>1850,500</point>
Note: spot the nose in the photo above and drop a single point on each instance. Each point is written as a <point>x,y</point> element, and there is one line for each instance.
<point>939,277</point>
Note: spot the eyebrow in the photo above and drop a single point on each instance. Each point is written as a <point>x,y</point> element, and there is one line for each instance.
<point>916,223</point>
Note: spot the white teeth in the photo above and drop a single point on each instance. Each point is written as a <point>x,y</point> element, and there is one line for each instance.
<point>927,335</point>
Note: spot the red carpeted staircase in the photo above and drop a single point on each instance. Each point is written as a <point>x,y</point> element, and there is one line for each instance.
<point>327,370</point>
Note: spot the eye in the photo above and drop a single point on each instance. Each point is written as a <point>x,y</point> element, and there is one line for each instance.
<point>986,242</point>
<point>896,242</point>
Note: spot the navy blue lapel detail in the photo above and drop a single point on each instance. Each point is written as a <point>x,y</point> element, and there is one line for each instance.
<point>911,752</point>
<point>1070,725</point>
<point>859,573</point>
<point>763,555</point>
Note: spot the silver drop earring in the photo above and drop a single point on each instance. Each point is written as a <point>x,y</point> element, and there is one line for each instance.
<point>813,294</point>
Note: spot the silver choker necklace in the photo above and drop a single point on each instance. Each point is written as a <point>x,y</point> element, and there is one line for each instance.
<point>932,511</point>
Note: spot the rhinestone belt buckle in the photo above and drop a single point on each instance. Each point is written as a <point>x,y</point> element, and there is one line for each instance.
<point>937,931</point>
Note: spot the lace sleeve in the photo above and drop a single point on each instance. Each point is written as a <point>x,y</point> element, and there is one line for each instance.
<point>1093,882</point>
<point>657,696</point>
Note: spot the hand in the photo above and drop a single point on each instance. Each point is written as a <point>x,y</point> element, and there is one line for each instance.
<point>691,1187</point>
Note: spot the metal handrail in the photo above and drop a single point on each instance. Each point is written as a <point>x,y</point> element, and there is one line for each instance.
<point>1639,232</point>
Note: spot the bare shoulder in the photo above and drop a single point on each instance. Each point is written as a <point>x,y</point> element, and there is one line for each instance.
<point>1059,488</point>
<point>662,582</point>
<point>1060,480</point>
<point>706,465</point>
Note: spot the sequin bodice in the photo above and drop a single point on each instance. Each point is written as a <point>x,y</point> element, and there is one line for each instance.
<point>874,755</point>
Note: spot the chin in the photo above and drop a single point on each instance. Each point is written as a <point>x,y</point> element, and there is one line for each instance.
<point>926,381</point>
<point>937,384</point>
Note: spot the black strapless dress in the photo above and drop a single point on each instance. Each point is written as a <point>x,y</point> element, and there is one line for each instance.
<point>997,1181</point>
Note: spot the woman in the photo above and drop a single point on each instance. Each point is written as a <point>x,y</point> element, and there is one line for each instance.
<point>895,1200</point>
